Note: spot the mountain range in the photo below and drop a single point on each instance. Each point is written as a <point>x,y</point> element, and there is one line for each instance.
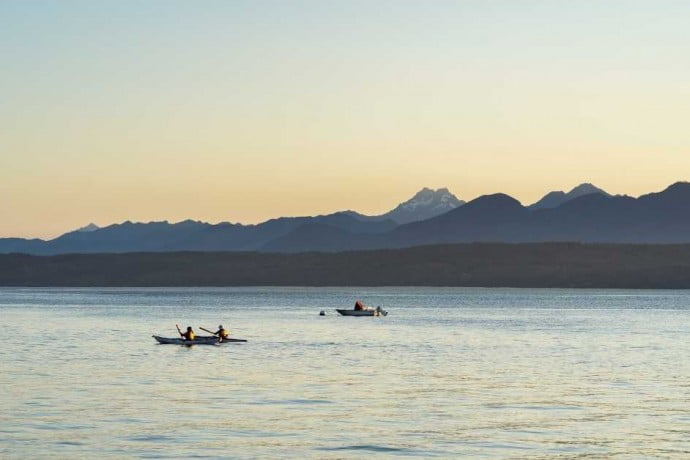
<point>425,204</point>
<point>555,199</point>
<point>585,214</point>
<point>192,235</point>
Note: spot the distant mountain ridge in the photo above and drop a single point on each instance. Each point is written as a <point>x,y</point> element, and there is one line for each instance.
<point>592,218</point>
<point>187,235</point>
<point>425,204</point>
<point>88,228</point>
<point>595,217</point>
<point>555,199</point>
<point>192,235</point>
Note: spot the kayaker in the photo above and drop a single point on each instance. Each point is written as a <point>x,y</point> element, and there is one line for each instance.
<point>222,333</point>
<point>188,335</point>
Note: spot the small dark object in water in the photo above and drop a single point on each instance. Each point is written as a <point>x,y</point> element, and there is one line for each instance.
<point>322,313</point>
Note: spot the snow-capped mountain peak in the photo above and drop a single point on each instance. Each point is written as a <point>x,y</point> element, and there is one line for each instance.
<point>88,228</point>
<point>425,204</point>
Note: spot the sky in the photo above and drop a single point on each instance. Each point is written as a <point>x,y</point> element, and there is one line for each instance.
<point>246,110</point>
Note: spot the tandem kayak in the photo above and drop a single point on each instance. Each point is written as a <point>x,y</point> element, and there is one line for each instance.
<point>372,312</point>
<point>199,340</point>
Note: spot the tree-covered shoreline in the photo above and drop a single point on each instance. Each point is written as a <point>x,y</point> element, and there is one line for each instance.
<point>566,265</point>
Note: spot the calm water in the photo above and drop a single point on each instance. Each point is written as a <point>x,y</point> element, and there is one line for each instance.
<point>476,372</point>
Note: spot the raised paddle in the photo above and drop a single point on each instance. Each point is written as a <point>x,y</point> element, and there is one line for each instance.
<point>204,329</point>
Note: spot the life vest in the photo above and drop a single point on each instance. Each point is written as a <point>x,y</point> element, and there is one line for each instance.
<point>223,333</point>
<point>189,335</point>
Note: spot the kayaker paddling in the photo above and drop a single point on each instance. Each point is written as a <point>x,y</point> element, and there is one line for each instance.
<point>222,333</point>
<point>187,335</point>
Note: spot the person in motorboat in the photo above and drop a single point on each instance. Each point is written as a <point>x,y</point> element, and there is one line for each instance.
<point>188,334</point>
<point>359,306</point>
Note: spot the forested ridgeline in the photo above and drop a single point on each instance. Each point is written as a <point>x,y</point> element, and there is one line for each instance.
<point>477,264</point>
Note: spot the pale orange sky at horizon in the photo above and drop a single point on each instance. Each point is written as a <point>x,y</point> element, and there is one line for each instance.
<point>246,111</point>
